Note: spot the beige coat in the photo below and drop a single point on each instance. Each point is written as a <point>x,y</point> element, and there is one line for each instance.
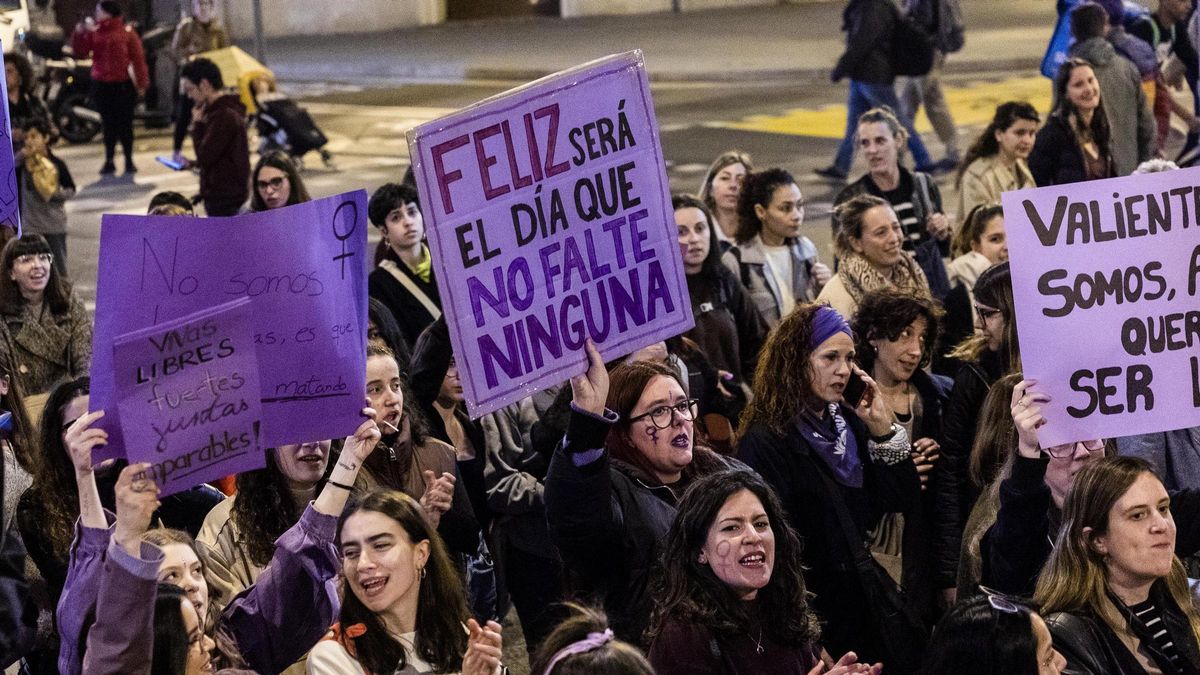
<point>986,178</point>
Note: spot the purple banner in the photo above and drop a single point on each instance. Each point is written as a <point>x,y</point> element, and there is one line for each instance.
<point>302,268</point>
<point>1105,277</point>
<point>189,396</point>
<point>549,218</point>
<point>10,213</point>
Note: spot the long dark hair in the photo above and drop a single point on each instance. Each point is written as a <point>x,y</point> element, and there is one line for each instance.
<point>441,601</point>
<point>986,145</point>
<point>277,159</point>
<point>783,378</point>
<point>689,591</point>
<point>884,314</point>
<point>994,289</point>
<point>758,190</point>
<point>975,637</point>
<point>23,434</point>
<point>712,263</point>
<point>1098,130</point>
<point>58,290</point>
<point>171,639</point>
<point>263,509</point>
<point>54,483</point>
<point>24,71</point>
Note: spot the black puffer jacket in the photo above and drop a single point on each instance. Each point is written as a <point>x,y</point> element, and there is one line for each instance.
<point>610,521</point>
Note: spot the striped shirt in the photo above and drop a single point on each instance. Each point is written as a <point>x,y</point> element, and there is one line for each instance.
<point>1151,616</point>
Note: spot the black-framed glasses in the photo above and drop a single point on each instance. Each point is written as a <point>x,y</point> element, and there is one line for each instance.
<point>662,416</point>
<point>1067,450</point>
<point>984,312</point>
<point>274,184</point>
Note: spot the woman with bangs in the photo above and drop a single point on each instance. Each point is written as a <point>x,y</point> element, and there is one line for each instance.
<point>1115,596</point>
<point>45,331</point>
<point>828,458</point>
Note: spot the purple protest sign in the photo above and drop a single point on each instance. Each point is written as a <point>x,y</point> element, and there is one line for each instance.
<point>1105,277</point>
<point>549,218</point>
<point>10,213</point>
<point>302,268</point>
<point>189,396</point>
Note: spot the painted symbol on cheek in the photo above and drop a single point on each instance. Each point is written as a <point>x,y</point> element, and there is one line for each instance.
<point>652,432</point>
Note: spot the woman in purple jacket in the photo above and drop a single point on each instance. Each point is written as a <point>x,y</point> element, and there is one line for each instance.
<point>114,575</point>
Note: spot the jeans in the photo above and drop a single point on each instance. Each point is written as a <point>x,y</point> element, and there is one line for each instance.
<point>863,97</point>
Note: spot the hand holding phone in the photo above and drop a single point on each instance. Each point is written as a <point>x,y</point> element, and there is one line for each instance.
<point>855,389</point>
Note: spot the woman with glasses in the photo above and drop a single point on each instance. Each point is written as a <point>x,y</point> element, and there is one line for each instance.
<point>45,331</point>
<point>992,635</point>
<point>1116,598</point>
<point>1033,486</point>
<point>629,453</point>
<point>276,182</point>
<point>837,466</point>
<point>985,356</point>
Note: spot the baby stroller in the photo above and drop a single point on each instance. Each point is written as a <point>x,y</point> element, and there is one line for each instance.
<point>284,125</point>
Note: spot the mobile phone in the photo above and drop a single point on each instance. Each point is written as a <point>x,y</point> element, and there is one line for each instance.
<point>171,162</point>
<point>854,391</point>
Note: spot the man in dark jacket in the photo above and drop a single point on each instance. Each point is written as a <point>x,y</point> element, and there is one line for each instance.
<point>219,136</point>
<point>869,26</point>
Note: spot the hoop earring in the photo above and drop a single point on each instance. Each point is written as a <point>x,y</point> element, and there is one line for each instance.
<point>422,573</point>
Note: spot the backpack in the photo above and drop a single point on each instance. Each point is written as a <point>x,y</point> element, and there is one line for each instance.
<point>949,26</point>
<point>912,47</point>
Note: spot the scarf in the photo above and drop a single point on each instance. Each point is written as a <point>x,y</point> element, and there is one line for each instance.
<point>836,447</point>
<point>861,277</point>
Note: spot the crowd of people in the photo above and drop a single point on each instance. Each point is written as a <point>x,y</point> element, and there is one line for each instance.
<point>836,470</point>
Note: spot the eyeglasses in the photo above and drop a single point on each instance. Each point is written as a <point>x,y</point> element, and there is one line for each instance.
<point>1067,450</point>
<point>984,312</point>
<point>1001,602</point>
<point>662,416</point>
<point>274,184</point>
<point>30,258</point>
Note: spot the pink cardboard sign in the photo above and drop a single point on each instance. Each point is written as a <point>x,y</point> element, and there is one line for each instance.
<point>549,219</point>
<point>1105,277</point>
<point>188,393</point>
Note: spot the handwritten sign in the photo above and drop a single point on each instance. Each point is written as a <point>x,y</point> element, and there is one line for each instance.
<point>549,218</point>
<point>1105,278</point>
<point>189,396</point>
<point>10,212</point>
<point>302,267</point>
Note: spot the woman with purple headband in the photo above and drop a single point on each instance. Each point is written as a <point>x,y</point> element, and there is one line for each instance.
<point>583,644</point>
<point>837,467</point>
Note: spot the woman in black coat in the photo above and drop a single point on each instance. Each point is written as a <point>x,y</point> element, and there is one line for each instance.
<point>1074,144</point>
<point>816,450</point>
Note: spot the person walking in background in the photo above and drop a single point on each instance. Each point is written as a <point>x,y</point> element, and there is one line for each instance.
<point>942,19</point>
<point>200,32</point>
<point>870,26</point>
<point>1130,119</point>
<point>219,136</point>
<point>114,49</point>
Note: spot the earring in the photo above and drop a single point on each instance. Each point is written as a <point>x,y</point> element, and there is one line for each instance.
<point>422,572</point>
<point>702,559</point>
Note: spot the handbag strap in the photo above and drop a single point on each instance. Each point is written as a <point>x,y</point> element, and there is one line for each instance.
<point>412,287</point>
<point>858,546</point>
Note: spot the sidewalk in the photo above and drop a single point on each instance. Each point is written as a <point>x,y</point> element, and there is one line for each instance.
<point>795,43</point>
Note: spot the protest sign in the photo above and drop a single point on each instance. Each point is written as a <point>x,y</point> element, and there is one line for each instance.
<point>303,269</point>
<point>188,395</point>
<point>10,213</point>
<point>1105,277</point>
<point>549,218</point>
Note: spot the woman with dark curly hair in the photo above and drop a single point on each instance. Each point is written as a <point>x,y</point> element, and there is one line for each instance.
<point>238,537</point>
<point>23,105</point>
<point>732,598</point>
<point>837,469</point>
<point>276,181</point>
<point>773,260</point>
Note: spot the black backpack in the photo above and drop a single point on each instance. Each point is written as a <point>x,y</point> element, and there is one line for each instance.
<point>912,47</point>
